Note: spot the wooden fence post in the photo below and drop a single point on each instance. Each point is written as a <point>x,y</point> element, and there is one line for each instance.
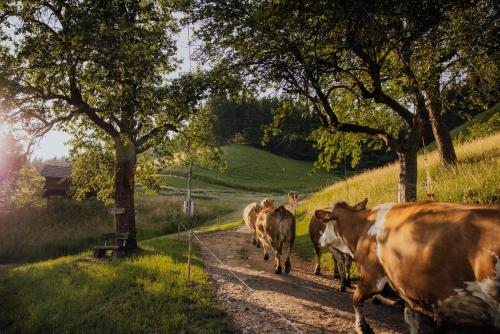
<point>189,255</point>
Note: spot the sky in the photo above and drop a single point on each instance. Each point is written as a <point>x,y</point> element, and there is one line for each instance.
<point>53,144</point>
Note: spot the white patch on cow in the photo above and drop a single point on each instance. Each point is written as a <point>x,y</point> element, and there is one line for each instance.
<point>331,239</point>
<point>378,226</point>
<point>474,304</point>
<point>381,283</point>
<point>491,286</point>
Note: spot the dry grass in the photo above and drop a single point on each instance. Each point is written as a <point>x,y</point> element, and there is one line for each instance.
<point>67,227</point>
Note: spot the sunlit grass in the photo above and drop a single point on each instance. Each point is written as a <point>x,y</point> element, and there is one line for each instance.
<point>146,293</point>
<point>68,227</point>
<point>253,169</point>
<point>476,179</point>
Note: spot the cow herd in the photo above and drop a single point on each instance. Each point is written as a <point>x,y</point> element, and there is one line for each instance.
<point>441,259</point>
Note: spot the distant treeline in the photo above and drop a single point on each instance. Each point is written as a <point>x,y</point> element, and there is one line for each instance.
<point>254,121</point>
<point>259,123</point>
<point>245,122</point>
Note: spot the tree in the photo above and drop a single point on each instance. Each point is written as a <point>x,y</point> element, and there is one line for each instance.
<point>330,52</point>
<point>314,49</point>
<point>27,190</point>
<point>454,48</point>
<point>103,64</point>
<point>195,143</point>
<point>12,160</point>
<point>20,183</point>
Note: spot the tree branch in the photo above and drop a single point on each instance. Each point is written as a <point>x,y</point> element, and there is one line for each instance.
<point>141,144</point>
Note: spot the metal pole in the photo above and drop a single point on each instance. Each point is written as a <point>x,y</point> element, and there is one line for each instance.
<point>346,183</point>
<point>189,255</point>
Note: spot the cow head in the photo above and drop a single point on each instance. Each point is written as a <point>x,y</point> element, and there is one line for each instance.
<point>264,204</point>
<point>330,237</point>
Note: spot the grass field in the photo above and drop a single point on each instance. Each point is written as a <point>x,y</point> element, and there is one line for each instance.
<point>146,293</point>
<point>68,227</point>
<point>476,179</point>
<point>249,168</point>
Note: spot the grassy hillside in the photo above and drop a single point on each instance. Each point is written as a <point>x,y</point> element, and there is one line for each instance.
<point>146,293</point>
<point>476,179</point>
<point>252,169</point>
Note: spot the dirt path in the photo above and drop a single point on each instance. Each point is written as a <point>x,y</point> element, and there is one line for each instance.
<point>311,302</point>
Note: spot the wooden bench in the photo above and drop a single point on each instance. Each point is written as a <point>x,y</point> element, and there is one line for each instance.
<point>118,248</point>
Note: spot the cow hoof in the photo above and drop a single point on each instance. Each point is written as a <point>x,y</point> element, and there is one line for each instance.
<point>342,288</point>
<point>336,275</point>
<point>317,272</point>
<point>364,329</point>
<point>278,270</point>
<point>376,301</point>
<point>266,257</point>
<point>288,267</point>
<point>348,283</point>
<point>257,244</point>
<point>254,242</point>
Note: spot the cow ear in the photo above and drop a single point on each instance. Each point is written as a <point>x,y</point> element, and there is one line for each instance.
<point>361,205</point>
<point>324,215</point>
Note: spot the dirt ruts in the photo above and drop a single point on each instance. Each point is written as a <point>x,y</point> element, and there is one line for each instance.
<point>312,303</point>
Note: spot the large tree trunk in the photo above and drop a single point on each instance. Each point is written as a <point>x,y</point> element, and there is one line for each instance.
<point>407,181</point>
<point>124,190</point>
<point>407,155</point>
<point>440,130</point>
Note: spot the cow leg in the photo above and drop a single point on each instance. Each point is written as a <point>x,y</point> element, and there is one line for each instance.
<point>265,245</point>
<point>363,291</point>
<point>257,240</point>
<point>277,263</point>
<point>340,262</point>
<point>254,238</point>
<point>288,264</point>
<point>412,319</point>
<point>317,269</point>
<point>348,266</point>
<point>336,273</point>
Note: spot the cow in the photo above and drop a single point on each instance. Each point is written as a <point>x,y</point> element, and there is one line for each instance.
<point>250,216</point>
<point>342,262</point>
<point>275,229</point>
<point>442,259</point>
<point>293,201</point>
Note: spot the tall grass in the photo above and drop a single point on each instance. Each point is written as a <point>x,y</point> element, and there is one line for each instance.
<point>476,179</point>
<point>65,227</point>
<point>144,293</point>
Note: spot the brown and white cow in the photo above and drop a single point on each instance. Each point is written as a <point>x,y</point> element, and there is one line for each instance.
<point>342,262</point>
<point>293,201</point>
<point>276,229</point>
<point>250,216</point>
<point>443,259</point>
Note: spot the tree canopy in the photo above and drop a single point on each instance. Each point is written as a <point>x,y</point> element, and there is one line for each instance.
<point>103,66</point>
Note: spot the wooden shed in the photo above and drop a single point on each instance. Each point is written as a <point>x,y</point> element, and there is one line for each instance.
<point>57,180</point>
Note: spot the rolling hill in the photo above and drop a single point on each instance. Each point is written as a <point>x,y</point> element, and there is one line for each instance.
<point>249,168</point>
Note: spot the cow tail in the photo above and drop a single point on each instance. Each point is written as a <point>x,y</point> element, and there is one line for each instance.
<point>292,239</point>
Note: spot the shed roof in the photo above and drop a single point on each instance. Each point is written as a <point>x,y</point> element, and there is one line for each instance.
<point>51,170</point>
